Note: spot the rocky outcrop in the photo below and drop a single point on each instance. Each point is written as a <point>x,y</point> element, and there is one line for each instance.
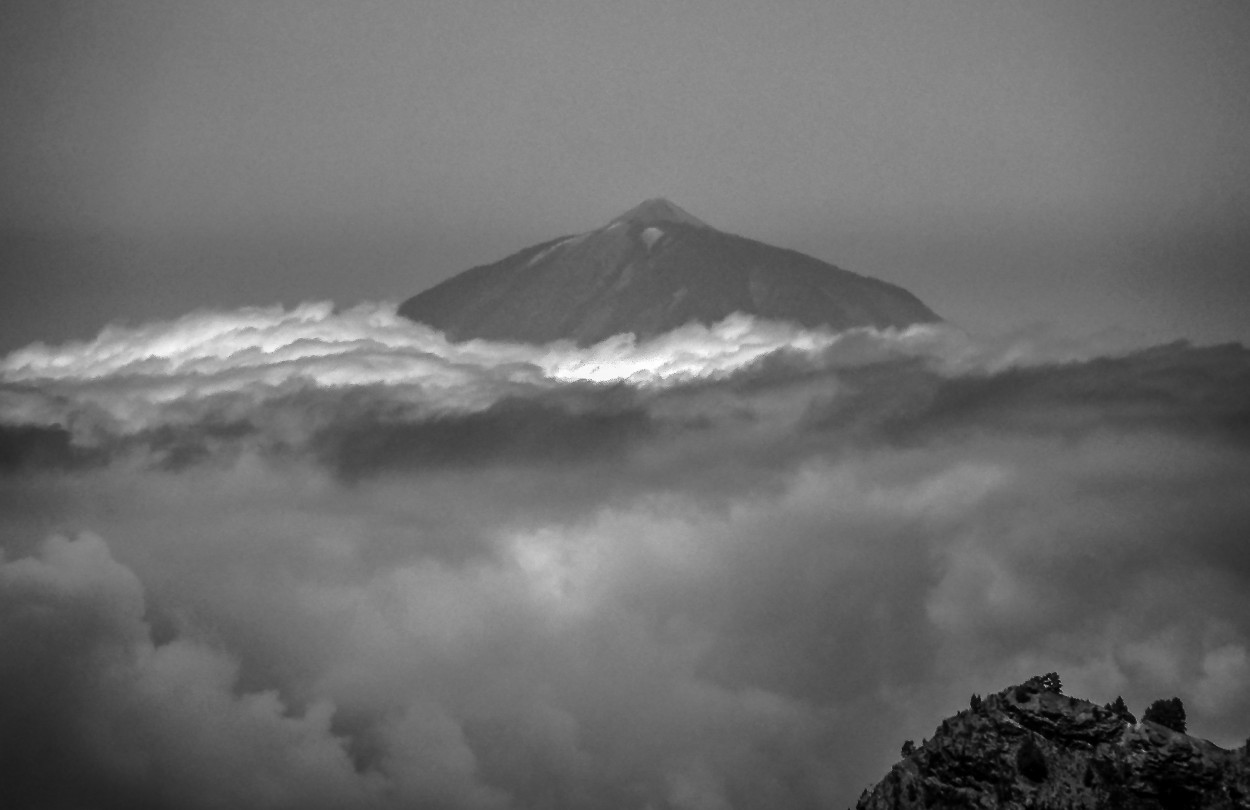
<point>1031,747</point>
<point>649,271</point>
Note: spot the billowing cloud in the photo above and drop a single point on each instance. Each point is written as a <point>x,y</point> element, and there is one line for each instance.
<point>302,558</point>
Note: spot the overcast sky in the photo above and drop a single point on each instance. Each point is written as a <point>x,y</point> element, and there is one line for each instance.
<point>1082,165</point>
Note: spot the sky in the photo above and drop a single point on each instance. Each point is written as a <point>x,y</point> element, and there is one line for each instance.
<point>266,544</point>
<point>1058,165</point>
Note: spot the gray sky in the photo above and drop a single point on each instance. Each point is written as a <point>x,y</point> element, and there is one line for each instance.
<point>1081,165</point>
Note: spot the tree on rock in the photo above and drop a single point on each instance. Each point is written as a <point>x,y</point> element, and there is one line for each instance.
<point>1050,683</point>
<point>1120,709</point>
<point>1169,713</point>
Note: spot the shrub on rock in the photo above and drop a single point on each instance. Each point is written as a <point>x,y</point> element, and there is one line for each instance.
<point>1169,713</point>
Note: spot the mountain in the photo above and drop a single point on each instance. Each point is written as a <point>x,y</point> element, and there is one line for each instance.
<point>650,270</point>
<point>1031,747</point>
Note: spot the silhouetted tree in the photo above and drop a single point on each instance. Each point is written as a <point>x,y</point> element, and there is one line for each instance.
<point>909,748</point>
<point>1050,683</point>
<point>975,703</point>
<point>1169,713</point>
<point>1119,708</point>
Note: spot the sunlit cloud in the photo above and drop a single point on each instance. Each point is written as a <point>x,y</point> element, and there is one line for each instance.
<point>131,379</point>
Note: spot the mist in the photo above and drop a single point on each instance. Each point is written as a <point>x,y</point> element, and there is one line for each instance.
<point>304,557</point>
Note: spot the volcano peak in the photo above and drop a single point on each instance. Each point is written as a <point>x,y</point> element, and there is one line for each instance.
<point>657,210</point>
<point>652,269</point>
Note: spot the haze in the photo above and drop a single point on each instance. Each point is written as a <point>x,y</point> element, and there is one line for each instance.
<point>1016,165</point>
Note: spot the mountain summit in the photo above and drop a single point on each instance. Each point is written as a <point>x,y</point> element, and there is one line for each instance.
<point>650,270</point>
<point>659,210</point>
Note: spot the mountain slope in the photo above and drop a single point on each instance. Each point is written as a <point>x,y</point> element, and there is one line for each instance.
<point>1028,747</point>
<point>651,270</point>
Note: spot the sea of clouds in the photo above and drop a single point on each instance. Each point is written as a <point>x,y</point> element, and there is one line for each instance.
<point>306,558</point>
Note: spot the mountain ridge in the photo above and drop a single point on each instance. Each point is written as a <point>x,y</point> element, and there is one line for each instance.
<point>650,270</point>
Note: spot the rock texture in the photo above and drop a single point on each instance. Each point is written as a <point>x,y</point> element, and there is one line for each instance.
<point>1027,747</point>
<point>651,270</point>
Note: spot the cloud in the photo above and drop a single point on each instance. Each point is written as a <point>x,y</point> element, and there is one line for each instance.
<point>97,713</point>
<point>329,558</point>
<point>223,365</point>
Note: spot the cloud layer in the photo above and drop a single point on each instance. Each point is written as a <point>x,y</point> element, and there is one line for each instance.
<point>302,558</point>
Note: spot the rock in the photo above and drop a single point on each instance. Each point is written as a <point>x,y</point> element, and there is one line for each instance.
<point>1026,747</point>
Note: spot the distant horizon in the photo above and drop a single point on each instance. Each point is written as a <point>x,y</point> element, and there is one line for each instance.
<point>102,252</point>
<point>1070,168</point>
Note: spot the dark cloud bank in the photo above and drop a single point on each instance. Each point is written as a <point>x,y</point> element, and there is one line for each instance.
<point>306,559</point>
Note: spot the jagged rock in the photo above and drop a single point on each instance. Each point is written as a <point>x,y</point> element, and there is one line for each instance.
<point>1026,747</point>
